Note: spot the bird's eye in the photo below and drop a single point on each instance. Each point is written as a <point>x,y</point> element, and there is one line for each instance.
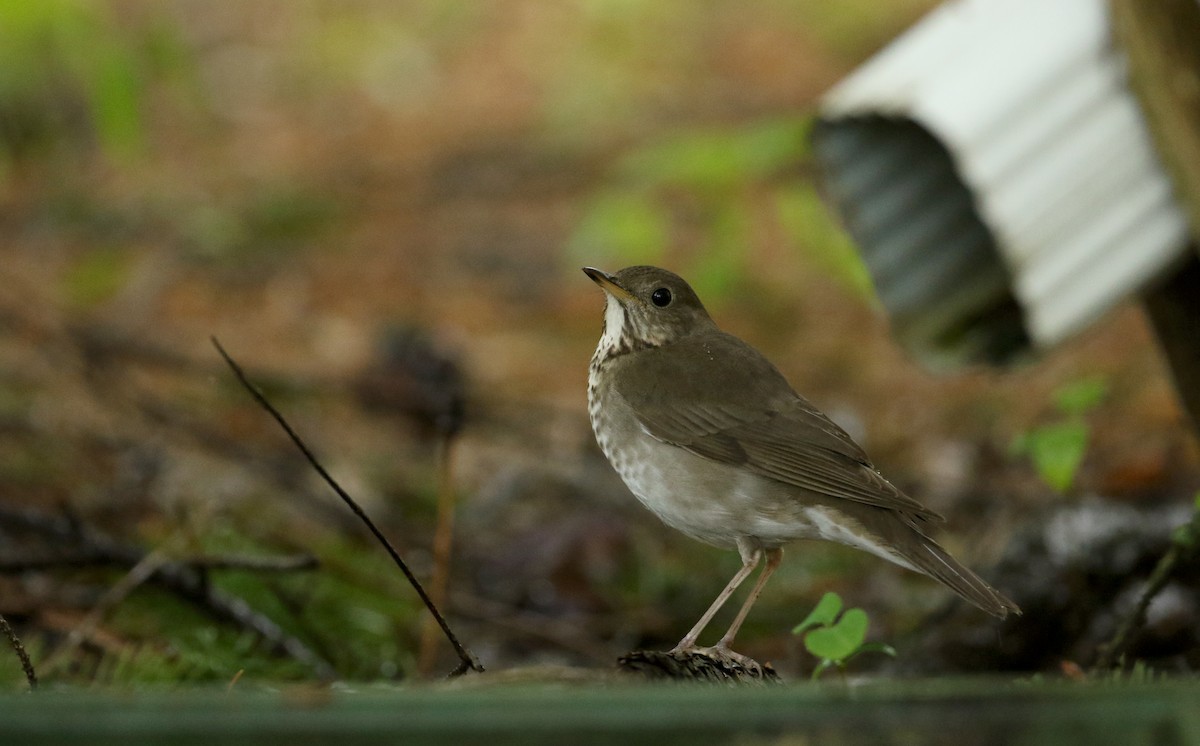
<point>661,297</point>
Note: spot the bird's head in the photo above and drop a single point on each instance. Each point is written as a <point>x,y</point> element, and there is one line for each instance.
<point>647,307</point>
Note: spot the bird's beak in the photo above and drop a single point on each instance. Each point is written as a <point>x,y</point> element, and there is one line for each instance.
<point>607,283</point>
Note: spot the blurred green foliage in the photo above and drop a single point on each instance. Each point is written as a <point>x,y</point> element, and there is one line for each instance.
<point>615,69</point>
<point>355,610</point>
<point>67,72</point>
<point>621,226</point>
<point>1079,397</point>
<point>609,69</point>
<point>188,647</point>
<point>1187,536</point>
<point>718,162</point>
<point>95,277</point>
<point>698,190</point>
<point>346,611</point>
<point>269,223</point>
<point>854,29</point>
<point>1057,448</point>
<point>814,229</point>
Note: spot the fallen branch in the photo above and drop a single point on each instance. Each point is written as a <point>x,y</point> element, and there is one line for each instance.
<point>467,661</point>
<point>19,649</point>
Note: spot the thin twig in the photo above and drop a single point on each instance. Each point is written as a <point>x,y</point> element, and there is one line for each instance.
<point>467,661</point>
<point>19,649</point>
<point>1183,544</point>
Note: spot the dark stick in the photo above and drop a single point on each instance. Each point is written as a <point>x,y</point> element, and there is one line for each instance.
<point>30,674</point>
<point>467,662</point>
<point>1131,625</point>
<point>1184,543</point>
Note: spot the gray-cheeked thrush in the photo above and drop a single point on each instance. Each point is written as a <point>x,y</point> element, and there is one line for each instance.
<point>708,435</point>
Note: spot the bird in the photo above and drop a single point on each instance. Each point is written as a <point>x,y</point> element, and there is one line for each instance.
<point>708,435</point>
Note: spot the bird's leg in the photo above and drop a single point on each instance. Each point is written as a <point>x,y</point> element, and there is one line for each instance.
<point>774,557</point>
<point>751,556</point>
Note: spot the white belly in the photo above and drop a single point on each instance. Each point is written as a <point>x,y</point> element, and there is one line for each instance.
<point>709,501</point>
<point>714,502</point>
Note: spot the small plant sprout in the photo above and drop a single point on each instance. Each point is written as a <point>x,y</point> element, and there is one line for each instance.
<point>1057,448</point>
<point>835,638</point>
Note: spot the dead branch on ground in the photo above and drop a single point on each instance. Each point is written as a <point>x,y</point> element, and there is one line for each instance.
<point>187,579</point>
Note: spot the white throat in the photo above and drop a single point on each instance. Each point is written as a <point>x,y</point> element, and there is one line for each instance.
<point>614,322</point>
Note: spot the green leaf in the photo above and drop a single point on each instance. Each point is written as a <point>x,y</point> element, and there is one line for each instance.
<point>1057,451</point>
<point>823,614</point>
<point>1078,397</point>
<point>839,641</point>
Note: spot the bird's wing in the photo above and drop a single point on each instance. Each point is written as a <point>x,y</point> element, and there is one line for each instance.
<point>767,427</point>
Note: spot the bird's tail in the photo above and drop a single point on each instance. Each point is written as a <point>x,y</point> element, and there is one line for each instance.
<point>928,557</point>
<point>917,551</point>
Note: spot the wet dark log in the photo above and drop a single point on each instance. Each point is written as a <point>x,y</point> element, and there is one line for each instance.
<point>696,665</point>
